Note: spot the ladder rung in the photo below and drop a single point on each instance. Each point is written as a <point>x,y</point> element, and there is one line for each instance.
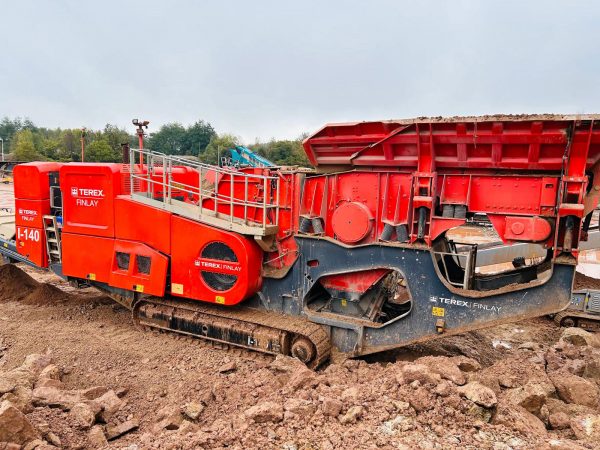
<point>53,240</point>
<point>54,252</point>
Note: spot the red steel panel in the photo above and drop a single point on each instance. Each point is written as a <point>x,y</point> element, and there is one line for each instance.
<point>88,191</point>
<point>29,213</point>
<point>31,243</point>
<point>488,142</point>
<point>87,257</point>
<point>137,222</point>
<point>133,278</point>
<point>31,180</point>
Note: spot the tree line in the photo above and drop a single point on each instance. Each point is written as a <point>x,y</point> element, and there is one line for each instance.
<point>25,141</point>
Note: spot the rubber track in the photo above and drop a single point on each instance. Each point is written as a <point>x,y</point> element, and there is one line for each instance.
<point>290,324</point>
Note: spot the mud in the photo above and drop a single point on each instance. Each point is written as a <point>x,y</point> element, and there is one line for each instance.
<point>584,282</point>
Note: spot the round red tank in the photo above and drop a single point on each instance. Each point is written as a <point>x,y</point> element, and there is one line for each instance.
<point>351,222</point>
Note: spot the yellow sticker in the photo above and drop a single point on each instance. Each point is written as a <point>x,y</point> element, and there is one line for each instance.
<point>436,311</point>
<point>344,302</point>
<point>219,299</point>
<point>5,245</point>
<point>91,276</point>
<point>138,287</point>
<point>177,288</point>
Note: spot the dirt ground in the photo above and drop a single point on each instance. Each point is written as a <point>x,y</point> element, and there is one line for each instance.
<point>515,386</point>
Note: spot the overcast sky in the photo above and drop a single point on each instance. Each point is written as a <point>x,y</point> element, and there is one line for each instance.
<point>262,69</point>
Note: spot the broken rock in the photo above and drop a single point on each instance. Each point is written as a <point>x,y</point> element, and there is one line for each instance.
<point>83,415</point>
<point>121,429</point>
<point>519,419</point>
<point>109,403</point>
<point>55,398</point>
<point>579,337</point>
<point>574,389</point>
<point>532,396</point>
<point>418,372</point>
<point>352,415</point>
<point>479,394</point>
<point>331,407</point>
<point>14,425</point>
<point>192,410</point>
<point>265,412</point>
<point>96,437</point>
<point>586,427</point>
<point>445,367</point>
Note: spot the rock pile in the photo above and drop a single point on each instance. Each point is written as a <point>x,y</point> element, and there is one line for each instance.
<point>34,392</point>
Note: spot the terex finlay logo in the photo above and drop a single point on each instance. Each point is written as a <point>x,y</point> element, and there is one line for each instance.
<point>86,196</point>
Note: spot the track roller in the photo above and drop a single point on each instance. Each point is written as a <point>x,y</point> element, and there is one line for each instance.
<point>249,328</point>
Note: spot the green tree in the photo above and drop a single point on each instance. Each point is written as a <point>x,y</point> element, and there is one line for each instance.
<point>170,139</point>
<point>217,147</point>
<point>197,137</point>
<point>283,153</point>
<point>99,151</point>
<point>116,136</point>
<point>23,146</point>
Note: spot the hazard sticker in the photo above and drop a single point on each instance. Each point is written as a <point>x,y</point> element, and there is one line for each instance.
<point>219,299</point>
<point>177,288</point>
<point>91,276</point>
<point>437,311</point>
<point>139,288</point>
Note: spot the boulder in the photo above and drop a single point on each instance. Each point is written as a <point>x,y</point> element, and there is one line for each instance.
<point>592,369</point>
<point>331,407</point>
<point>574,389</point>
<point>417,372</point>
<point>559,421</point>
<point>446,367</point>
<point>20,397</point>
<point>519,419</point>
<point>170,418</point>
<point>586,427</point>
<point>265,412</point>
<point>301,378</point>
<point>96,437</point>
<point>120,429</point>
<point>352,415</point>
<point>83,415</point>
<point>56,398</point>
<point>579,337</point>
<point>109,403</point>
<point>14,425</point>
<point>6,385</point>
<point>532,396</point>
<point>286,364</point>
<point>94,392</point>
<point>36,363</point>
<point>479,394</point>
<point>51,372</point>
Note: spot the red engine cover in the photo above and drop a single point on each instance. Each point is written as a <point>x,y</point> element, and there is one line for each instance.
<point>213,265</point>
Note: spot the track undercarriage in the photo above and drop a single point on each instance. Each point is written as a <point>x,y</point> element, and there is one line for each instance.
<point>243,327</point>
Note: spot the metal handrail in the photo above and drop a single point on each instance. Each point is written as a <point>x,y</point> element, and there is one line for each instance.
<point>155,160</point>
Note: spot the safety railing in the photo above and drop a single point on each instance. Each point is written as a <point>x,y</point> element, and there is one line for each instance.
<point>458,268</point>
<point>220,196</point>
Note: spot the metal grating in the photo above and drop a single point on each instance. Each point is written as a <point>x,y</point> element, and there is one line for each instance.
<point>593,304</point>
